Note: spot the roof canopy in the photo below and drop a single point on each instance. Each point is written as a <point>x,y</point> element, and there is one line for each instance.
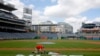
<point>8,7</point>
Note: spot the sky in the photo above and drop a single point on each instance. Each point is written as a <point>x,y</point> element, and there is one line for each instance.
<point>73,12</point>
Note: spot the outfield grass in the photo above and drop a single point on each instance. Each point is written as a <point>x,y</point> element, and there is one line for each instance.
<point>59,44</point>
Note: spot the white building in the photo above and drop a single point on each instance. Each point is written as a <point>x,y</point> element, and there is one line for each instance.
<point>65,27</point>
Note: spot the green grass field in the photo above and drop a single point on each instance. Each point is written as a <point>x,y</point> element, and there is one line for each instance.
<point>60,44</point>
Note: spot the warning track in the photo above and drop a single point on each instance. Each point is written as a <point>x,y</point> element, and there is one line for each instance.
<point>55,49</point>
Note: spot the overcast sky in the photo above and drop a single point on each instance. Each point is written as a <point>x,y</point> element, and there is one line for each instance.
<point>73,12</point>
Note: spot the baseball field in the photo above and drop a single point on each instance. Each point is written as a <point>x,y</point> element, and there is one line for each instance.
<point>66,47</point>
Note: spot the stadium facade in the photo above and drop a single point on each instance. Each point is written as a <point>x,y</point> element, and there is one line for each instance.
<point>90,31</point>
<point>11,27</point>
<point>8,21</point>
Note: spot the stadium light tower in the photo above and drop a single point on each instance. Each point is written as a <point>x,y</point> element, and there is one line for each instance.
<point>1,1</point>
<point>27,16</point>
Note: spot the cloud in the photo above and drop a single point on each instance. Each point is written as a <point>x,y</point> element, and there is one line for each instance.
<point>36,17</point>
<point>65,8</point>
<point>19,5</point>
<point>70,10</point>
<point>53,1</point>
<point>76,22</point>
<point>96,19</point>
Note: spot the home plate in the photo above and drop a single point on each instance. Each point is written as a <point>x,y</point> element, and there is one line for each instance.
<point>55,54</point>
<point>19,55</point>
<point>38,55</point>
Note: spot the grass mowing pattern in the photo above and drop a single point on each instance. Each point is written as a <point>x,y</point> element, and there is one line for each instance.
<point>59,44</point>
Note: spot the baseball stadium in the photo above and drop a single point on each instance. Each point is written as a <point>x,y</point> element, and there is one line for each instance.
<point>18,37</point>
